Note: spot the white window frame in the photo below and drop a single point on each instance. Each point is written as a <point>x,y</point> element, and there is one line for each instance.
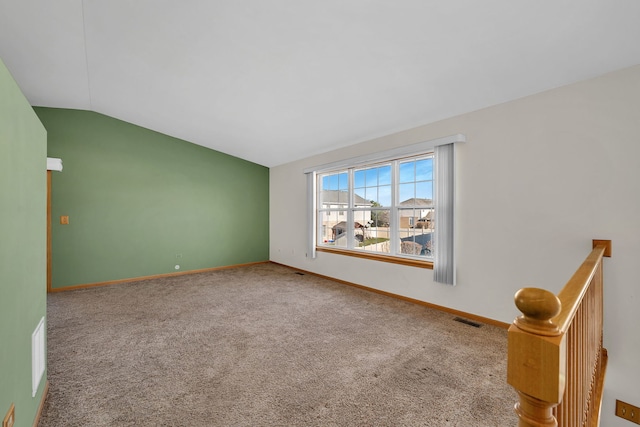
<point>353,208</point>
<point>358,162</point>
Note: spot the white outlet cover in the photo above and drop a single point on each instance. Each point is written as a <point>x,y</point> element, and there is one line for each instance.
<point>177,267</point>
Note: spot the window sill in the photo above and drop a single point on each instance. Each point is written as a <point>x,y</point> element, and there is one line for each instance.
<point>377,257</point>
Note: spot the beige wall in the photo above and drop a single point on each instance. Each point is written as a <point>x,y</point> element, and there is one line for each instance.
<point>549,173</point>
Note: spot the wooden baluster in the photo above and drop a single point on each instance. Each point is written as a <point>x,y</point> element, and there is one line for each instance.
<point>537,363</point>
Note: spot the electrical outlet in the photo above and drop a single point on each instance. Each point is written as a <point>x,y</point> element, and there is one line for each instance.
<point>10,418</point>
<point>628,412</point>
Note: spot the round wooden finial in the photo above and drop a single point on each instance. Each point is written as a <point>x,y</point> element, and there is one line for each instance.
<point>538,307</point>
<point>536,303</point>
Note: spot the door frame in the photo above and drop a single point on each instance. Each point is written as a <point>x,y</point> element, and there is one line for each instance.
<point>48,231</point>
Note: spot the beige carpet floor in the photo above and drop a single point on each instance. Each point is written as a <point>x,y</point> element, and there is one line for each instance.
<point>265,346</point>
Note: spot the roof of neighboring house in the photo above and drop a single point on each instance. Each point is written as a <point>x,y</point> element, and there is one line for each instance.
<point>427,217</point>
<point>414,201</point>
<point>339,197</point>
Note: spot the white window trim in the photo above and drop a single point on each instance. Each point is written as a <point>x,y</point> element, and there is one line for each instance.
<point>383,156</point>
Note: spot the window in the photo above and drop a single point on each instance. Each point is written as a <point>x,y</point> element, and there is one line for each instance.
<point>387,206</point>
<point>395,206</point>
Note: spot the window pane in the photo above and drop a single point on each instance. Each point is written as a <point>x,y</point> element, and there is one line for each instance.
<point>407,192</point>
<point>358,179</point>
<point>416,177</point>
<point>415,236</point>
<point>334,190</point>
<point>417,243</point>
<point>384,195</point>
<point>407,171</point>
<point>380,219</point>
<point>361,218</point>
<point>424,169</point>
<point>333,199</point>
<point>343,182</point>
<point>372,194</point>
<point>406,218</point>
<point>372,230</point>
<point>335,181</point>
<point>332,231</point>
<point>371,177</point>
<point>384,175</point>
<point>426,219</point>
<point>378,196</point>
<point>373,185</point>
<point>424,190</point>
<point>329,182</point>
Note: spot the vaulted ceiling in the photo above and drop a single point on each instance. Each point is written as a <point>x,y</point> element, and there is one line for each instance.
<point>272,81</point>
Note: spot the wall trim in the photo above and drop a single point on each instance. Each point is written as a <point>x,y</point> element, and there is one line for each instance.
<point>154,276</point>
<point>45,394</point>
<point>470,316</point>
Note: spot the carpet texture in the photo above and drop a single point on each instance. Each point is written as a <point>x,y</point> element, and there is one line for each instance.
<point>266,346</point>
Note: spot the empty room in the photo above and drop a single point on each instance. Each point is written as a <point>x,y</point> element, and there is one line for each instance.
<point>307,213</point>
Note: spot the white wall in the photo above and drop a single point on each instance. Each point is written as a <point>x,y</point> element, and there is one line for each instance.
<point>538,179</point>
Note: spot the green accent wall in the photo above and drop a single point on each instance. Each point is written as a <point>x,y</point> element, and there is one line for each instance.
<point>140,202</point>
<point>23,193</point>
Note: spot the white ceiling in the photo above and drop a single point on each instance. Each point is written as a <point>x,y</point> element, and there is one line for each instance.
<point>273,81</point>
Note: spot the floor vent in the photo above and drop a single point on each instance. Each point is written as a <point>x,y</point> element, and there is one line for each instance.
<point>467,322</point>
<point>299,274</point>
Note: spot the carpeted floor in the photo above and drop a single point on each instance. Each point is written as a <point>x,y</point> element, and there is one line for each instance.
<point>265,346</point>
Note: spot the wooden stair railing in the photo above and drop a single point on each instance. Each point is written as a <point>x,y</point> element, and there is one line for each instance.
<point>556,361</point>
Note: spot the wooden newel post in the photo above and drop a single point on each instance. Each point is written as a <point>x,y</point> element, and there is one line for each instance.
<point>537,357</point>
<point>534,413</point>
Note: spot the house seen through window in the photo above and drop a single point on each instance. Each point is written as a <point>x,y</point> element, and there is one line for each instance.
<point>389,208</point>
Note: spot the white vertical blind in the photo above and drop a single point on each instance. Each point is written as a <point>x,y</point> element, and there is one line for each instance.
<point>311,214</point>
<point>444,262</point>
